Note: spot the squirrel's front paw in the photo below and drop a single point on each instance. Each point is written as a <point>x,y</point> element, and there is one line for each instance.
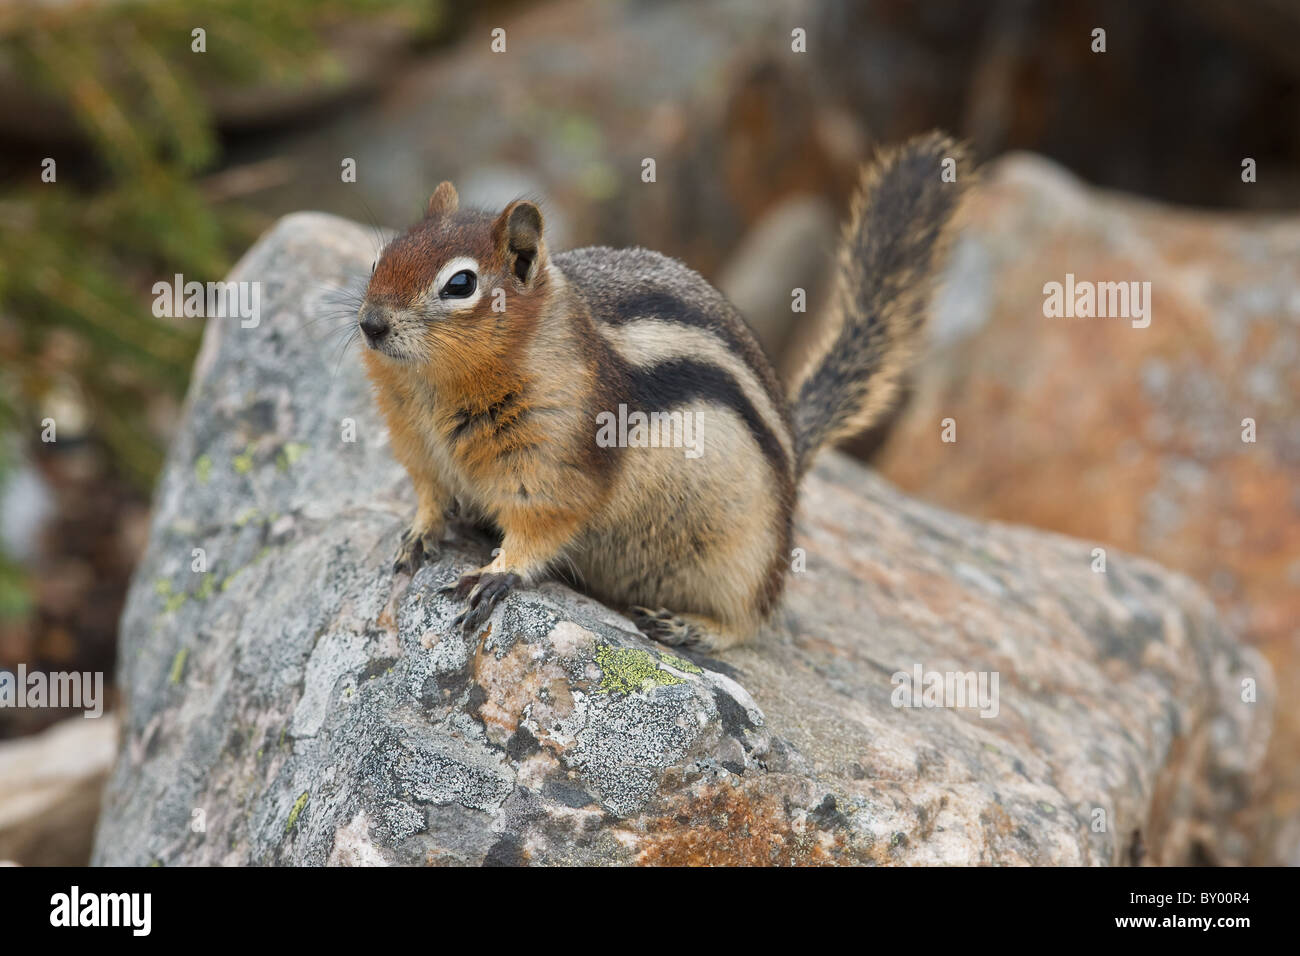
<point>415,546</point>
<point>485,590</point>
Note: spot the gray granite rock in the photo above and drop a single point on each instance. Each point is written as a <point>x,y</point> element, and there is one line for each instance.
<point>297,703</point>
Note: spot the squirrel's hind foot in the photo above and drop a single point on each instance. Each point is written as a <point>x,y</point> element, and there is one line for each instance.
<point>691,631</point>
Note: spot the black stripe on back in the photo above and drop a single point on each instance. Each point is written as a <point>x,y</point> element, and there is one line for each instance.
<point>666,385</point>
<point>665,307</point>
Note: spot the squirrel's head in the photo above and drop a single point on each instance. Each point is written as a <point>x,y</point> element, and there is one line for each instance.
<point>455,278</point>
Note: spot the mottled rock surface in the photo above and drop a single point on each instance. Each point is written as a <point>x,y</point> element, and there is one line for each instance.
<point>298,703</point>
<point>1129,437</point>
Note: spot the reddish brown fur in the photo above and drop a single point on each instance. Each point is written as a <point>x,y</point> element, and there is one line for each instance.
<point>479,373</point>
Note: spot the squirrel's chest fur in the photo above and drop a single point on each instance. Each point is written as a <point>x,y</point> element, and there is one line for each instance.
<point>496,441</point>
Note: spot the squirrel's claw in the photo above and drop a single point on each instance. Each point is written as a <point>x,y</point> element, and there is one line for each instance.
<point>692,632</point>
<point>460,590</point>
<point>662,625</point>
<point>414,548</point>
<point>410,553</point>
<point>488,588</point>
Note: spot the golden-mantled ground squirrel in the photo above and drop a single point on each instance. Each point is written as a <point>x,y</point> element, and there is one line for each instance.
<point>529,388</point>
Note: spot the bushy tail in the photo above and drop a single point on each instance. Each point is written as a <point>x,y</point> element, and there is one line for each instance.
<point>891,252</point>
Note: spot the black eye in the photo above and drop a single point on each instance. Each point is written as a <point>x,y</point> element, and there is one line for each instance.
<point>460,285</point>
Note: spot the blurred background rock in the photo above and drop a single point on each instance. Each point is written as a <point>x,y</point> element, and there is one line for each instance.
<point>171,161</point>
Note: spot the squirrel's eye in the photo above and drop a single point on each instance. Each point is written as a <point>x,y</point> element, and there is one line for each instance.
<point>460,285</point>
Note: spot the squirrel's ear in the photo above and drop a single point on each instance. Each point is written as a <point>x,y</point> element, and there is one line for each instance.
<point>443,202</point>
<point>518,232</point>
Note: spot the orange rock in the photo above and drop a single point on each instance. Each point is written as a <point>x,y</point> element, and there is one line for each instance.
<point>1129,437</point>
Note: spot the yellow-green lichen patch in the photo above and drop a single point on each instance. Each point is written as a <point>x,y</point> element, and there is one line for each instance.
<point>178,664</point>
<point>260,556</point>
<point>297,809</point>
<point>203,469</point>
<point>628,670</point>
<point>289,455</point>
<point>207,587</point>
<point>244,463</point>
<point>173,600</point>
<point>681,665</point>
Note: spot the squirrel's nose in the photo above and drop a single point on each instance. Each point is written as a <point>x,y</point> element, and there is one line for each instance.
<point>374,325</point>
